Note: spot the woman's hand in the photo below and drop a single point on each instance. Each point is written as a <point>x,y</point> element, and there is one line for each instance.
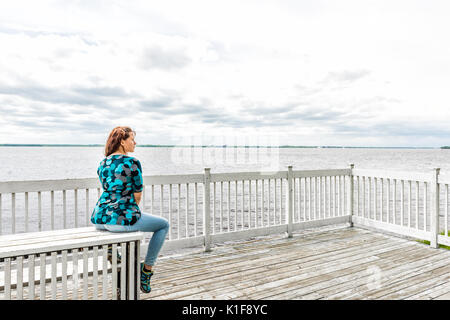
<point>137,197</point>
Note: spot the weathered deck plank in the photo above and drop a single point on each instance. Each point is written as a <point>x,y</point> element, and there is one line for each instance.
<point>235,257</point>
<point>396,279</point>
<point>317,272</point>
<point>347,277</point>
<point>276,272</point>
<point>437,292</point>
<point>260,262</point>
<point>333,264</point>
<point>364,278</point>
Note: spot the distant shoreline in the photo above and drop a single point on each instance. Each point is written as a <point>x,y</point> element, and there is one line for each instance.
<point>214,146</point>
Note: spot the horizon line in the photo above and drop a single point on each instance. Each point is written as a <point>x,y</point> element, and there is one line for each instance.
<point>212,146</point>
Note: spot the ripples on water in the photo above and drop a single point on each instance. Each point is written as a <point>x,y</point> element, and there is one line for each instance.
<point>41,163</point>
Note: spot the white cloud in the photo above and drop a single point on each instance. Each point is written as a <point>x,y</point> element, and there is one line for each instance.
<point>319,72</point>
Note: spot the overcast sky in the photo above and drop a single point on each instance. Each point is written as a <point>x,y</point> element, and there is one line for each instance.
<point>355,73</point>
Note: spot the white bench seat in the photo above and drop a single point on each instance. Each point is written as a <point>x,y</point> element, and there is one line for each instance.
<point>27,258</point>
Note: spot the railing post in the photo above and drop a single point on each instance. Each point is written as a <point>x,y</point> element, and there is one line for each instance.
<point>434,210</point>
<point>206,210</point>
<point>351,195</point>
<point>290,202</point>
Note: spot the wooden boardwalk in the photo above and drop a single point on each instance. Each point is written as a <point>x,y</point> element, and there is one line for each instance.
<point>323,263</point>
<point>335,263</point>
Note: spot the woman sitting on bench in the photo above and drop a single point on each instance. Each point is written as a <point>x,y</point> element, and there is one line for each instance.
<point>117,209</point>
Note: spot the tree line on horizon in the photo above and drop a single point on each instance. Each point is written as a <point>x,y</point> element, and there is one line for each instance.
<point>210,146</point>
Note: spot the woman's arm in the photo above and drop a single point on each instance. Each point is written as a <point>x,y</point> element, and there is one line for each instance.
<point>137,197</point>
<point>137,180</point>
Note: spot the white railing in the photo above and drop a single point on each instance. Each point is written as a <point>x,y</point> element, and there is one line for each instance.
<point>443,236</point>
<point>261,204</point>
<point>214,207</point>
<point>234,205</point>
<point>42,205</point>
<point>407,203</point>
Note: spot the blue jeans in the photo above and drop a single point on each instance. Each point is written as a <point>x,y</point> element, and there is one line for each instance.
<point>147,223</point>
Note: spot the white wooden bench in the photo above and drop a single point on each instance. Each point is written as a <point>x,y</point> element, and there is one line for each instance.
<point>64,262</point>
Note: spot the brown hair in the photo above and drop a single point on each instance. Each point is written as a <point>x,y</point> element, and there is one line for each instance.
<point>115,137</point>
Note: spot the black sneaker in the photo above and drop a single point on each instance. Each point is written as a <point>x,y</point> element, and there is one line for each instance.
<point>145,279</point>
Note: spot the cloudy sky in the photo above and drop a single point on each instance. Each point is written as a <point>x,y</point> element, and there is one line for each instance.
<point>348,72</point>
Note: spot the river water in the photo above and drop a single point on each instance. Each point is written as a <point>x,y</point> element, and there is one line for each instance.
<point>45,163</point>
<point>48,163</point>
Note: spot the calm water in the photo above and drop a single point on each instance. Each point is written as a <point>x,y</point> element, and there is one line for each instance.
<point>41,163</point>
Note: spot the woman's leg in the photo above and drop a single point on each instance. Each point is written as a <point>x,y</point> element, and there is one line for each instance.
<point>160,227</point>
<point>147,223</point>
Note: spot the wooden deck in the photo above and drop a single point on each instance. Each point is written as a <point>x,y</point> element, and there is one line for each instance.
<point>335,263</point>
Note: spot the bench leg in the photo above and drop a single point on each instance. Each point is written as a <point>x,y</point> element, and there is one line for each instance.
<point>137,273</point>
<point>133,271</point>
<point>131,260</point>
<point>118,285</point>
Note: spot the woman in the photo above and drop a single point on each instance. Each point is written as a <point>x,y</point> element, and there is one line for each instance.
<point>117,209</point>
